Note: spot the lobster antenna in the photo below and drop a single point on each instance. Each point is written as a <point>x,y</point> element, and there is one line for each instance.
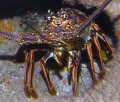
<point>32,28</point>
<point>86,88</point>
<point>93,16</point>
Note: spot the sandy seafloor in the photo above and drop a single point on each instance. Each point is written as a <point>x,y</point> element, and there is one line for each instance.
<point>12,76</point>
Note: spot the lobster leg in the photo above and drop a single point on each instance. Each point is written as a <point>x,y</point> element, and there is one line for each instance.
<point>33,93</point>
<point>26,89</point>
<point>89,51</point>
<point>74,72</point>
<point>95,27</point>
<point>29,60</point>
<point>26,73</point>
<point>96,41</point>
<point>49,85</point>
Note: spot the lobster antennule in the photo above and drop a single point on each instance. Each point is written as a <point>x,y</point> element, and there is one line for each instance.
<point>9,36</point>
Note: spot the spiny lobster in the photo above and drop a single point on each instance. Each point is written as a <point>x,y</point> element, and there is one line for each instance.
<point>68,32</point>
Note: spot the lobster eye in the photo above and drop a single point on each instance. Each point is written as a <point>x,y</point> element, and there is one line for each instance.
<point>65,16</point>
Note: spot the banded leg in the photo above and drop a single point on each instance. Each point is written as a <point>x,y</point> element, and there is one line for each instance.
<point>89,51</point>
<point>29,60</point>
<point>96,41</point>
<point>49,85</point>
<point>26,73</point>
<point>74,73</point>
<point>33,93</point>
<point>95,27</point>
<point>26,67</point>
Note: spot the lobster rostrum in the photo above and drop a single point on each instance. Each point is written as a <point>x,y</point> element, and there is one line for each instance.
<point>67,33</point>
